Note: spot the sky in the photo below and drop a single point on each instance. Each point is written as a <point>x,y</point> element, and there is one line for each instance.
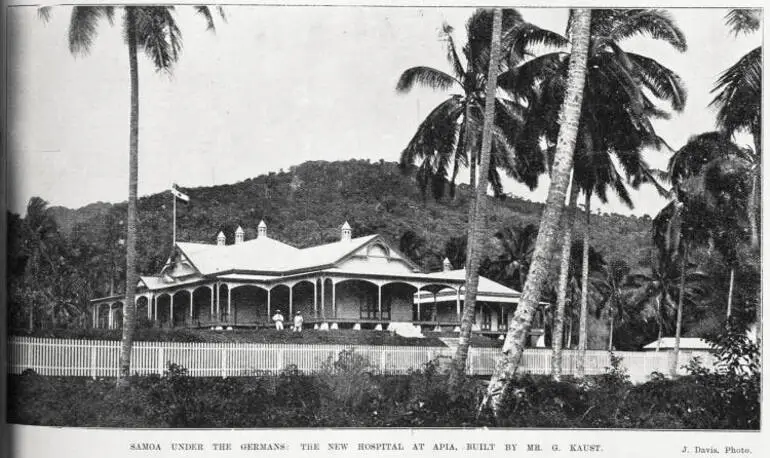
<point>273,87</point>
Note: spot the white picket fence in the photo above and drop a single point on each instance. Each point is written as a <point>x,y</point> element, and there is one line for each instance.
<point>91,358</point>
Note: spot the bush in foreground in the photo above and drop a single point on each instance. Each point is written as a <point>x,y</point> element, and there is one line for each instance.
<point>347,393</point>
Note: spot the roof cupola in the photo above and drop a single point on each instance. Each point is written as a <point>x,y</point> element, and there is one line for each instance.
<point>239,235</point>
<point>447,265</point>
<point>220,239</point>
<point>345,235</point>
<point>262,229</point>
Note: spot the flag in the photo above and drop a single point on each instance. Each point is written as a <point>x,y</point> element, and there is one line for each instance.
<point>179,194</point>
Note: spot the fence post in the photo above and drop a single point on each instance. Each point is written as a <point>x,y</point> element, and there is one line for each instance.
<point>93,361</point>
<point>279,360</point>
<point>383,361</point>
<point>224,362</point>
<point>160,361</point>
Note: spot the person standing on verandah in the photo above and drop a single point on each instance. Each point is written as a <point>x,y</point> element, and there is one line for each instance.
<point>298,320</point>
<point>278,319</point>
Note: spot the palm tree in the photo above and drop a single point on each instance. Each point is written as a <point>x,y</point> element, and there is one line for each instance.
<point>448,137</point>
<point>709,177</point>
<point>475,230</point>
<point>738,100</point>
<point>152,29</point>
<point>615,123</point>
<point>612,288</point>
<point>658,290</point>
<point>514,253</point>
<point>513,347</point>
<point>42,234</point>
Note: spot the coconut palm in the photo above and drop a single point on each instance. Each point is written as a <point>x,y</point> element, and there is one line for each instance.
<point>513,255</point>
<point>656,291</point>
<point>513,347</point>
<point>739,99</point>
<point>615,124</point>
<point>710,177</point>
<point>612,289</point>
<point>448,138</point>
<point>154,30</point>
<point>41,243</point>
<point>475,230</point>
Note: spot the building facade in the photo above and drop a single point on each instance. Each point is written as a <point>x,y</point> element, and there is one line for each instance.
<point>355,283</point>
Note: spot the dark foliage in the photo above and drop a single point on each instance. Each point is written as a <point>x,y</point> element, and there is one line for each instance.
<point>347,394</point>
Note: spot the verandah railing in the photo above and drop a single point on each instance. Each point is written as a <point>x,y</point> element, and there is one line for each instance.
<point>99,358</point>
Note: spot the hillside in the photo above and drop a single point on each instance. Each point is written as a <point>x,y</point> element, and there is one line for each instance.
<point>306,205</point>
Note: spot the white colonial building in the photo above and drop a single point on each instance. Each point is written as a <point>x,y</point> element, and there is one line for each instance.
<point>360,282</point>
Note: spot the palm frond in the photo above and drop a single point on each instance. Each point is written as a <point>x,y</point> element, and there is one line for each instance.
<point>740,94</point>
<point>83,24</point>
<point>44,13</point>
<point>434,145</point>
<point>661,81</point>
<point>452,57</point>
<point>658,24</point>
<point>205,11</point>
<point>158,35</point>
<point>744,20</point>
<point>525,36</point>
<point>425,76</point>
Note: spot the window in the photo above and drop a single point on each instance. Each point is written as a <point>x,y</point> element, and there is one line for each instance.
<point>386,310</point>
<point>502,321</point>
<point>368,309</point>
<point>486,319</point>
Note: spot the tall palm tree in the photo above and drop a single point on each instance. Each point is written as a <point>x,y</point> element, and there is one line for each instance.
<point>448,138</point>
<point>41,243</point>
<point>738,100</point>
<point>513,347</point>
<point>656,291</point>
<point>615,124</point>
<point>710,177</point>
<point>152,29</point>
<point>612,288</point>
<point>475,231</point>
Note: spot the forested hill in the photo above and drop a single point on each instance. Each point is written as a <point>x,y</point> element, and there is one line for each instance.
<point>307,204</point>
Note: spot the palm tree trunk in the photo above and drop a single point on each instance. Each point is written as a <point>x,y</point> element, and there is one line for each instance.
<point>752,212</point>
<point>660,325</point>
<point>566,248</point>
<point>477,229</point>
<point>678,335</point>
<point>133,170</point>
<point>730,293</point>
<point>515,339</point>
<point>583,331</point>
<point>753,205</point>
<point>612,328</point>
<point>569,334</point>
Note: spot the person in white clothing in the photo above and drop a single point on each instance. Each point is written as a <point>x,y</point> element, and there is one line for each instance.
<point>278,319</point>
<point>298,320</point>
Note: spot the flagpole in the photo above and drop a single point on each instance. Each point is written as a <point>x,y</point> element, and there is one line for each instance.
<point>173,239</point>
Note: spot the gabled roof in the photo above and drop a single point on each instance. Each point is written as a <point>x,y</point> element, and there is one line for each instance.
<point>486,285</point>
<point>265,254</point>
<point>260,254</point>
<point>685,343</point>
